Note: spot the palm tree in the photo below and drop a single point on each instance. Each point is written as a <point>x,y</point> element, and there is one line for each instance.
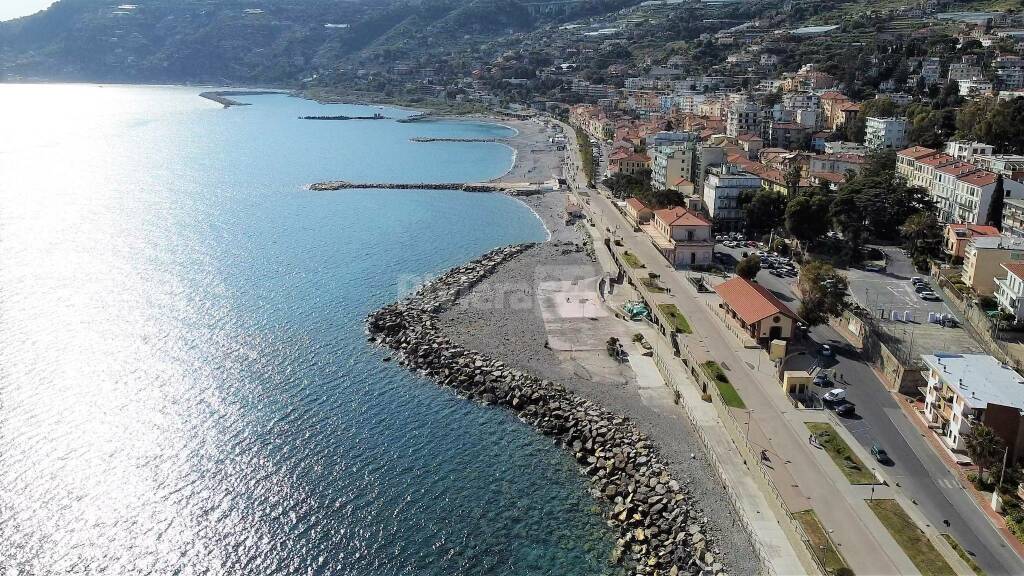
<point>983,446</point>
<point>919,227</point>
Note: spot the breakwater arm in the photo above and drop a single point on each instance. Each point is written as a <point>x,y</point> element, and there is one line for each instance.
<point>340,117</point>
<point>431,139</point>
<point>464,186</point>
<point>225,99</point>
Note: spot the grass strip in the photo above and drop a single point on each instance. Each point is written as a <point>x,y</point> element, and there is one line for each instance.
<point>679,322</point>
<point>632,260</point>
<point>849,464</point>
<point>964,555</point>
<point>911,539</point>
<point>819,543</point>
<point>730,396</point>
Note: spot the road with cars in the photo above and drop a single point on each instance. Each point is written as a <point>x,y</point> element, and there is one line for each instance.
<point>878,419</point>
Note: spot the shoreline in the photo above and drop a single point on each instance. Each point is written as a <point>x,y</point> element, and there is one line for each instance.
<point>658,532</point>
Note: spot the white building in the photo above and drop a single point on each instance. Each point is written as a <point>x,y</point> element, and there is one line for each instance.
<point>966,150</point>
<point>669,164</point>
<point>1010,290</point>
<point>961,190</point>
<point>885,133</point>
<point>967,389</point>
<point>975,87</point>
<point>722,188</point>
<point>962,71</point>
<point>744,117</point>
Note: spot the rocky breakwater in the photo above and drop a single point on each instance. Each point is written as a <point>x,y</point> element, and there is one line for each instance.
<point>660,531</point>
<point>343,185</point>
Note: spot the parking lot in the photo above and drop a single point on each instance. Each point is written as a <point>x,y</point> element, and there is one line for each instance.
<point>891,290</point>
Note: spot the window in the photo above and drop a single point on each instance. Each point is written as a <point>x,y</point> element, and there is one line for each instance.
<point>776,319</point>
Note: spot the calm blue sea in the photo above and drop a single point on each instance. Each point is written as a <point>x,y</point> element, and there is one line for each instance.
<point>185,385</point>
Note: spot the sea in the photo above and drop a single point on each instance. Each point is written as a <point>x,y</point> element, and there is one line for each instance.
<point>185,381</point>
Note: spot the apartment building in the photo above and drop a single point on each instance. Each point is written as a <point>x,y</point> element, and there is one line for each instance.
<point>966,150</point>
<point>722,188</point>
<point>964,390</point>
<point>1010,290</point>
<point>885,133</point>
<point>743,117</point>
<point>983,260</point>
<point>962,190</point>
<point>669,164</point>
<point>1013,217</point>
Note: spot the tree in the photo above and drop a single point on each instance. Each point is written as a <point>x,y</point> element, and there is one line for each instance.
<point>749,267</point>
<point>807,217</point>
<point>823,292</point>
<point>792,179</point>
<point>995,206</point>
<point>763,211</point>
<point>921,230</point>
<point>983,446</point>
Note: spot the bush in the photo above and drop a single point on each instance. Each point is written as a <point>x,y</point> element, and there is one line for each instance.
<point>638,337</point>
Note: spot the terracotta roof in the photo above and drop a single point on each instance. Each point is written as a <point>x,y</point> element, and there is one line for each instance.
<point>976,229</point>
<point>979,178</point>
<point>938,159</point>
<point>830,176</point>
<point>745,137</point>
<point>679,216</point>
<point>1015,268</point>
<point>751,302</point>
<point>833,95</point>
<point>917,152</point>
<point>636,204</point>
<point>682,182</point>
<point>849,106</point>
<point>957,169</point>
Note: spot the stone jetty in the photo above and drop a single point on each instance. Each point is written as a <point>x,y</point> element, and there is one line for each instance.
<point>225,99</point>
<point>343,117</point>
<point>660,532</point>
<point>429,139</point>
<point>463,186</point>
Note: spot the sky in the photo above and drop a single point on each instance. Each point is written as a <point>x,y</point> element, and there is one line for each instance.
<point>14,8</point>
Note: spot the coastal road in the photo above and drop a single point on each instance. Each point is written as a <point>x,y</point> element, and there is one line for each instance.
<point>840,506</point>
<point>922,476</point>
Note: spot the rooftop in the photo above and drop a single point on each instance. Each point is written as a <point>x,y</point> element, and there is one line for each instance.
<point>979,178</point>
<point>1015,268</point>
<point>679,216</point>
<point>751,302</point>
<point>917,152</point>
<point>997,243</point>
<point>979,378</point>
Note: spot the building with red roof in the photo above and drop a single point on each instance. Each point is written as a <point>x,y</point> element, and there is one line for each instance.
<point>959,235</point>
<point>637,212</point>
<point>758,312</point>
<point>683,236</point>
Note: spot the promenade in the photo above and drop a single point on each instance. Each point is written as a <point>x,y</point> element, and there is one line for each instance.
<point>803,477</point>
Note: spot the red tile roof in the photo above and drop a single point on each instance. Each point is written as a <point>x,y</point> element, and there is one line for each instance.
<point>682,182</point>
<point>979,178</point>
<point>636,204</point>
<point>1015,268</point>
<point>957,169</point>
<point>679,216</point>
<point>938,159</point>
<point>917,152</point>
<point>751,302</point>
<point>976,229</point>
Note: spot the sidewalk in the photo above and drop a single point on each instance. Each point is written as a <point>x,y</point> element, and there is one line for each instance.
<point>982,500</point>
<point>797,473</point>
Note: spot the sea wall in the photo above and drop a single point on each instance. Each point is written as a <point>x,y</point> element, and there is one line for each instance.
<point>659,531</point>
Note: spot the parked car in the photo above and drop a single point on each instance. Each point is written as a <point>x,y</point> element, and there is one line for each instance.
<point>880,454</point>
<point>930,296</point>
<point>874,268</point>
<point>846,409</point>
<point>821,379</point>
<point>835,395</point>
<point>922,287</point>
<point>916,280</point>
<point>826,351</point>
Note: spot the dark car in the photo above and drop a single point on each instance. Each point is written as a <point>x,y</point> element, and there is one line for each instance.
<point>880,454</point>
<point>846,410</point>
<point>922,287</point>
